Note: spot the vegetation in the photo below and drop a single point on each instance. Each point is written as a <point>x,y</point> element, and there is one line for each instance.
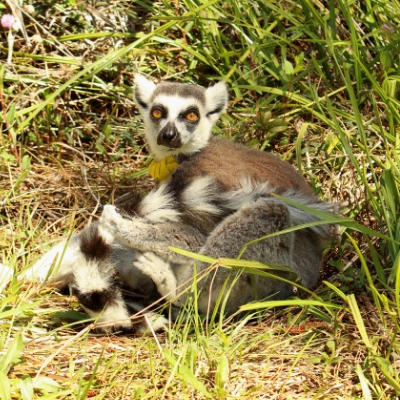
<point>315,81</point>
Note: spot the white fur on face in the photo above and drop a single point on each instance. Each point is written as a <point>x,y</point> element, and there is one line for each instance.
<point>216,98</point>
<point>89,278</point>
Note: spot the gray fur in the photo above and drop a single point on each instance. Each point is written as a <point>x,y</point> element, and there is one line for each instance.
<point>180,90</point>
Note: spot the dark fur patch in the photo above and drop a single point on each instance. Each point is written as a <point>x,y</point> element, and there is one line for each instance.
<point>93,245</point>
<point>216,110</point>
<point>204,222</point>
<point>130,205</point>
<point>97,299</point>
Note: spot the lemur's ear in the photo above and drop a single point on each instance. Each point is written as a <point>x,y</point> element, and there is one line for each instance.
<point>216,100</point>
<point>144,89</point>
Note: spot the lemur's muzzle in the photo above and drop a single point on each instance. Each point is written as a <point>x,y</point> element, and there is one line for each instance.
<point>169,136</point>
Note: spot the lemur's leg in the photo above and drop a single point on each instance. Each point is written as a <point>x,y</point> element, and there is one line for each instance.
<point>147,236</point>
<point>158,223</point>
<point>252,221</point>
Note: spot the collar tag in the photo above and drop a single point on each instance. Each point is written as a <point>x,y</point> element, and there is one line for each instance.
<point>163,169</point>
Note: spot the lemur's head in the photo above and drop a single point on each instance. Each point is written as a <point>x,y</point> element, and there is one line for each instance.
<point>178,117</point>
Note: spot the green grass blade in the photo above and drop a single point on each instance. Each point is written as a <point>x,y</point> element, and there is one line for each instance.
<point>332,219</point>
<point>289,302</point>
<point>397,285</point>
<point>366,272</point>
<point>5,389</point>
<point>387,371</point>
<point>355,311</point>
<point>364,383</point>
<point>91,70</point>
<point>187,375</point>
<point>336,290</point>
<point>12,354</point>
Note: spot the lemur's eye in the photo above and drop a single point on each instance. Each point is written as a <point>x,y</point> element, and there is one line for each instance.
<point>156,113</point>
<point>192,116</point>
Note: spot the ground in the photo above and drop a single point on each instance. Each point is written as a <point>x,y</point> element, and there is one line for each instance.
<point>315,83</point>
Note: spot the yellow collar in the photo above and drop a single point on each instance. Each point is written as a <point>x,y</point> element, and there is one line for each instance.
<point>161,170</point>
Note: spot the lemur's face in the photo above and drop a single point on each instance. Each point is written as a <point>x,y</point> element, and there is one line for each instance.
<point>178,117</point>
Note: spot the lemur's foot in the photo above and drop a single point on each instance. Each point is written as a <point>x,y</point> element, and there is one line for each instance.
<point>159,271</point>
<point>148,261</point>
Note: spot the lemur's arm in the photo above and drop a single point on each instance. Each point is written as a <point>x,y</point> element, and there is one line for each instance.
<point>145,236</point>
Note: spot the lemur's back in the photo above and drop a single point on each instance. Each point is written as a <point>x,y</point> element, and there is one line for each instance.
<point>229,163</point>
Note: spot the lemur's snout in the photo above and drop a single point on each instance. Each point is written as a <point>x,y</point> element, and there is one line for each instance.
<point>169,136</point>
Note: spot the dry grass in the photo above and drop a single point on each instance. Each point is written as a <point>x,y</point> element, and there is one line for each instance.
<point>272,361</point>
<point>72,143</point>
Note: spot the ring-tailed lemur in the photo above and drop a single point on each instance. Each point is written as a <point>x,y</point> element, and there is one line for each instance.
<point>213,197</point>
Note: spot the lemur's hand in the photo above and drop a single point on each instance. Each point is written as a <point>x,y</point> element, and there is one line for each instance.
<point>129,231</point>
<point>110,218</point>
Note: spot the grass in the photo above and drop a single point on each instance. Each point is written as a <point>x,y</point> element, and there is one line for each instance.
<point>315,82</point>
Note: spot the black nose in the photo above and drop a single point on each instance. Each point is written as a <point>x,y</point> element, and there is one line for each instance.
<point>169,136</point>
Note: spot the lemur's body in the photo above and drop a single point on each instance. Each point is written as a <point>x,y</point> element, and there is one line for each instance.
<point>215,201</point>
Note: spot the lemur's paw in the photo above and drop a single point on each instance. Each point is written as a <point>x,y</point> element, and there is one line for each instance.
<point>146,321</point>
<point>160,272</point>
<point>152,322</point>
<point>148,261</point>
<point>110,217</point>
<point>126,318</point>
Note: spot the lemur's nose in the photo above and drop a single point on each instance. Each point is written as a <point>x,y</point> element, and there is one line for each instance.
<point>169,136</point>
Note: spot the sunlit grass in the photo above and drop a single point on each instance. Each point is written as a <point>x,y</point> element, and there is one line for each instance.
<point>316,82</point>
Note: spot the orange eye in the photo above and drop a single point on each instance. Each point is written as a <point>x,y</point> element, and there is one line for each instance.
<point>192,116</point>
<point>157,114</point>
